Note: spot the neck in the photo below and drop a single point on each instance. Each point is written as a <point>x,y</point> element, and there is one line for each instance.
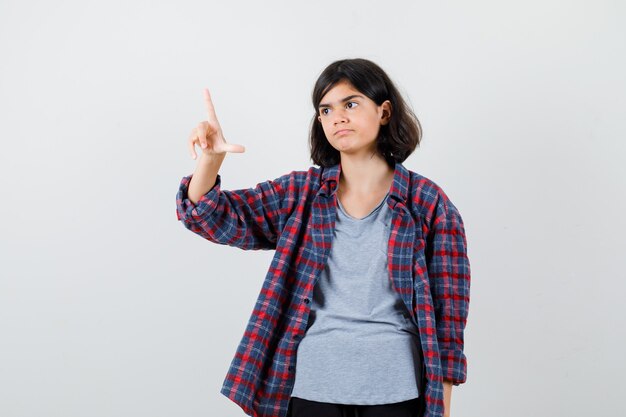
<point>364,175</point>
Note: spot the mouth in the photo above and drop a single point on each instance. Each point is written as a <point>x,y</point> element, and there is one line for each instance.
<point>342,132</point>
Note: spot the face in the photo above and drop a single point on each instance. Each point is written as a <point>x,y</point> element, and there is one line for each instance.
<point>351,120</point>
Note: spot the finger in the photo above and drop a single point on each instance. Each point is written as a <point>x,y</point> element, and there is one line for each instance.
<point>201,132</point>
<point>191,144</point>
<point>231,147</point>
<point>209,107</point>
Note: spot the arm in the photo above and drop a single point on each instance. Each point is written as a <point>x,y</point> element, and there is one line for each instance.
<point>205,176</point>
<point>447,394</point>
<point>449,275</point>
<point>249,218</point>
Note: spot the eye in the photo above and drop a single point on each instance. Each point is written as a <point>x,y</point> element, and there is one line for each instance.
<point>323,111</point>
<point>352,102</point>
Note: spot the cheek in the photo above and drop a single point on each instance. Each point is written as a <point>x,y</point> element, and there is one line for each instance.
<point>326,128</point>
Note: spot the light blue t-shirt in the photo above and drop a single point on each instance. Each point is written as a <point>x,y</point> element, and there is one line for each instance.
<point>361,345</point>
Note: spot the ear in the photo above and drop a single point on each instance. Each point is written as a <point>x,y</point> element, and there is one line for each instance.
<point>386,112</point>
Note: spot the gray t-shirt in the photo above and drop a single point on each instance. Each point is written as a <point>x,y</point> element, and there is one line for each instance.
<point>361,345</point>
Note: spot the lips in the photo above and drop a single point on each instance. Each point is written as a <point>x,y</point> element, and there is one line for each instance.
<point>342,132</point>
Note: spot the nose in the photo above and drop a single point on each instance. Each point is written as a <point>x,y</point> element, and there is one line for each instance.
<point>340,116</point>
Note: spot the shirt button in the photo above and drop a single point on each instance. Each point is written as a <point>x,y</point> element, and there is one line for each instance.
<point>306,300</point>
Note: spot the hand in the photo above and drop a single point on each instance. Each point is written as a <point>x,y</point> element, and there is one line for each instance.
<point>208,135</point>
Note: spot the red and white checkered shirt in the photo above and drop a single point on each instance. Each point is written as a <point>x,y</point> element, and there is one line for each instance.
<point>295,216</point>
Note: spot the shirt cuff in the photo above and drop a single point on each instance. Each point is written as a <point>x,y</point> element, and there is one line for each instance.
<point>186,209</point>
<point>453,366</point>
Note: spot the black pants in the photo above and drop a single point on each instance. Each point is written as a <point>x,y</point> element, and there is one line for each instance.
<point>299,407</point>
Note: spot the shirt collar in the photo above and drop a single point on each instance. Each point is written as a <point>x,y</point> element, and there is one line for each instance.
<point>399,187</point>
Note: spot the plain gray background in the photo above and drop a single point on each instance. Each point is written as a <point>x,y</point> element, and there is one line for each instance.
<point>110,307</point>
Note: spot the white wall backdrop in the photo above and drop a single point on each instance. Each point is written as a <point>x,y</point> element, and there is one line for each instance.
<point>110,307</point>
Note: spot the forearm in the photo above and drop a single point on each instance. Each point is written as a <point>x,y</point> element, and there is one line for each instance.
<point>447,394</point>
<point>449,275</point>
<point>204,177</point>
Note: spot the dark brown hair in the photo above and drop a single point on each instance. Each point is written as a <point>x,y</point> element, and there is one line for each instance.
<point>396,139</point>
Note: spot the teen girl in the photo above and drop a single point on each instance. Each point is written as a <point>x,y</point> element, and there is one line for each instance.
<point>363,308</point>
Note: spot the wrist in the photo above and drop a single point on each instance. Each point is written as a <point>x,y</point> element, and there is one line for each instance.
<point>211,162</point>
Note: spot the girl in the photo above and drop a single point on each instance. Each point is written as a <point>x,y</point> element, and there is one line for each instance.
<point>363,308</point>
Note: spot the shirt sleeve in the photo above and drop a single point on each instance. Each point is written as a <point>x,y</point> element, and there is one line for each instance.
<point>449,276</point>
<point>248,218</point>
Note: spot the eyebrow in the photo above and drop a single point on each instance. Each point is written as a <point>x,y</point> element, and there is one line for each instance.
<point>343,100</point>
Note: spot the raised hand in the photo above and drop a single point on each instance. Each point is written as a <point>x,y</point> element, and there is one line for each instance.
<point>208,134</point>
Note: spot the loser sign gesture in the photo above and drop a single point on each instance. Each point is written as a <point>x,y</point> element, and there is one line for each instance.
<point>208,134</point>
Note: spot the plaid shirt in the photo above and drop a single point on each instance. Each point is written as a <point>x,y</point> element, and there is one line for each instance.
<point>295,216</point>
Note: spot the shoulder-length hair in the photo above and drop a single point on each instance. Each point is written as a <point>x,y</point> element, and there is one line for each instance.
<point>396,139</point>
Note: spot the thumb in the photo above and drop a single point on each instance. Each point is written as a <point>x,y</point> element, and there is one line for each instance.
<point>231,147</point>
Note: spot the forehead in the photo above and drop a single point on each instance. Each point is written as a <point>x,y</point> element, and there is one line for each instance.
<point>341,89</point>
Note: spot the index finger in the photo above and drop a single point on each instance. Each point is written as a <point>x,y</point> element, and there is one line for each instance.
<point>209,106</point>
